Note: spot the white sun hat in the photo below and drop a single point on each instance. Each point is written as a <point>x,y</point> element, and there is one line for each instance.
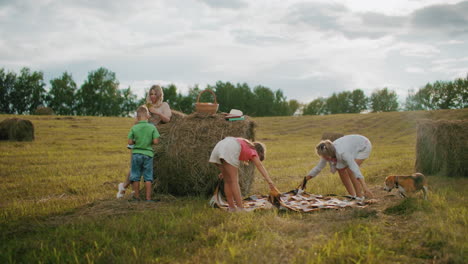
<point>236,112</point>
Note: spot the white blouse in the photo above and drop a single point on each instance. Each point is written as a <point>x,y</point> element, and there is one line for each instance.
<point>348,148</point>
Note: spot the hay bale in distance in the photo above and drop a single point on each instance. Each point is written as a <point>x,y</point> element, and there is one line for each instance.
<point>332,136</point>
<point>16,129</point>
<point>181,164</point>
<point>42,110</point>
<point>441,147</point>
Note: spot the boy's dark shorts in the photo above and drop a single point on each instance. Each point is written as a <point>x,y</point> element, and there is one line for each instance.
<point>141,165</point>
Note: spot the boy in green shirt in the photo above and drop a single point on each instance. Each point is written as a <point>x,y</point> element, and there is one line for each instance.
<point>142,135</point>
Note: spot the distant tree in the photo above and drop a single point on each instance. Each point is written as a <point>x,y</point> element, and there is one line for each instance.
<point>358,101</point>
<point>461,88</point>
<point>99,94</point>
<point>226,95</point>
<point>439,95</point>
<point>423,99</point>
<point>316,107</point>
<point>339,103</point>
<point>238,97</point>
<point>293,106</point>
<point>7,85</point>
<point>61,97</point>
<point>247,99</point>
<point>411,102</point>
<point>264,101</point>
<point>129,102</point>
<point>28,92</point>
<point>384,101</point>
<point>447,95</point>
<point>186,104</point>
<point>280,105</point>
<point>170,95</point>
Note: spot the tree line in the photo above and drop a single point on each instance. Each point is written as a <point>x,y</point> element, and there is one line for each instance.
<point>99,95</point>
<point>439,95</point>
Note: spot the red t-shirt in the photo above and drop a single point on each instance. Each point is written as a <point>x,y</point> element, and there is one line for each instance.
<point>247,153</point>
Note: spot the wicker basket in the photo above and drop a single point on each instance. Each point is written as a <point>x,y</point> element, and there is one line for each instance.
<point>207,108</point>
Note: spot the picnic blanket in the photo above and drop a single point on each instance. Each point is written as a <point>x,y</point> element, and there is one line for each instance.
<point>298,201</point>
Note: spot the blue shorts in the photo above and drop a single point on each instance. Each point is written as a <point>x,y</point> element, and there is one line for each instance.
<point>141,165</point>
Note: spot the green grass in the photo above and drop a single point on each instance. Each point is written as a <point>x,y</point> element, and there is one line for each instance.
<point>58,201</point>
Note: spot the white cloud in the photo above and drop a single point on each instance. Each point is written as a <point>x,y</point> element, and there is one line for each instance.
<point>451,42</point>
<point>415,49</point>
<point>307,49</point>
<point>414,70</point>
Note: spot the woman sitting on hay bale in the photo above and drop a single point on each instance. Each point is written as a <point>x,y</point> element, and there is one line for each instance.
<point>346,154</point>
<point>227,155</point>
<point>159,112</point>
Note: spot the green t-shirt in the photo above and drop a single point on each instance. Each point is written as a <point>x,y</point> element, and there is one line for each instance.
<point>143,134</point>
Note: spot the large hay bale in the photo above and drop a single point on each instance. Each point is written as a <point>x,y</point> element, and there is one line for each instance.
<point>442,147</point>
<point>181,164</point>
<point>332,136</point>
<point>16,129</point>
<point>176,116</point>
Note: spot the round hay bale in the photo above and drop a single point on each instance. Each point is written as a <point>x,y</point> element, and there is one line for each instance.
<point>181,164</point>
<point>441,147</point>
<point>16,129</point>
<point>332,136</point>
<point>42,110</point>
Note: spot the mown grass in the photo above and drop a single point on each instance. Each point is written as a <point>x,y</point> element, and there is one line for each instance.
<point>58,201</point>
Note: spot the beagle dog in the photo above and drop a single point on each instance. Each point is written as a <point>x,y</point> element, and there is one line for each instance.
<point>404,184</point>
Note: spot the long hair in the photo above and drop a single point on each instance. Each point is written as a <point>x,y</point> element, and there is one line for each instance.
<point>159,93</point>
<point>326,148</point>
<point>259,147</point>
<point>261,150</point>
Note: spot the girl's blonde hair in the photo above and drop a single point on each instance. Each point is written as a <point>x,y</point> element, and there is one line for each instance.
<point>159,93</point>
<point>326,148</point>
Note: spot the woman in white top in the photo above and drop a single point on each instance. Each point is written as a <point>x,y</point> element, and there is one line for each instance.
<point>345,154</point>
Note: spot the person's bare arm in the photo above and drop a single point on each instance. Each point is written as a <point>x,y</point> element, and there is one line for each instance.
<point>317,169</point>
<point>263,171</point>
<point>155,141</point>
<point>131,142</point>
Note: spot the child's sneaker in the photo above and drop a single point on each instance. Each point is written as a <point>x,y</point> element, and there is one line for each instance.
<point>121,191</point>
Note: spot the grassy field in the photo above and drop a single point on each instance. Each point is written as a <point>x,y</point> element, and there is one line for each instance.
<point>58,201</point>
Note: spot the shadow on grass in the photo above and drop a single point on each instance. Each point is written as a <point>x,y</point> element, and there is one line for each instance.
<point>364,213</point>
<point>408,206</point>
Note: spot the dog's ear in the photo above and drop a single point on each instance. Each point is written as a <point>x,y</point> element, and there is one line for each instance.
<point>390,179</point>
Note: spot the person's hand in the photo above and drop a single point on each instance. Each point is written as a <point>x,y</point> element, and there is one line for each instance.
<point>273,190</point>
<point>220,176</point>
<point>301,187</point>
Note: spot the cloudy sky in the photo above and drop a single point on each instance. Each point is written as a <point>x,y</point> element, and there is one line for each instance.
<point>307,49</point>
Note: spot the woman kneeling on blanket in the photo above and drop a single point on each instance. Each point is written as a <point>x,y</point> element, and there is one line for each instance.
<point>227,155</point>
<point>345,154</point>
